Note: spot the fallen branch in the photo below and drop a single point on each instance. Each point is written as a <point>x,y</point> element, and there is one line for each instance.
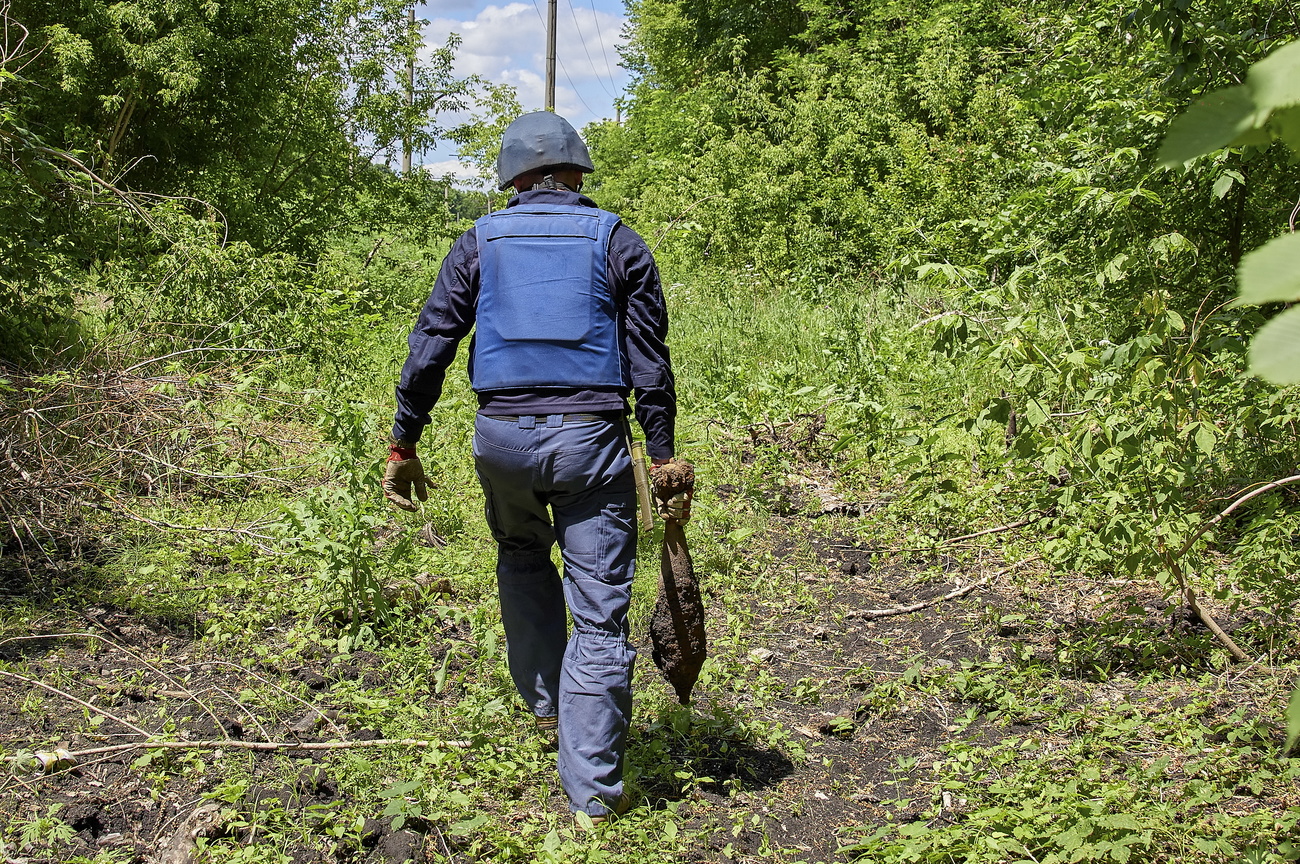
<point>70,697</point>
<point>947,541</point>
<point>196,350</point>
<point>872,614</point>
<point>663,232</point>
<point>189,472</point>
<point>1267,487</point>
<point>181,690</point>
<point>158,523</point>
<point>300,701</point>
<point>1189,595</point>
<point>998,530</point>
<point>260,746</point>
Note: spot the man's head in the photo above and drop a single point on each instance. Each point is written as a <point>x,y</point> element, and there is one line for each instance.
<point>539,144</point>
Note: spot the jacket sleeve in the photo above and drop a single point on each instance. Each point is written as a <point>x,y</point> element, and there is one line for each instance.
<point>636,279</point>
<point>447,317</point>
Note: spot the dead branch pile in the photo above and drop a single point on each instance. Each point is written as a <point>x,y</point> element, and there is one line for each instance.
<point>80,446</point>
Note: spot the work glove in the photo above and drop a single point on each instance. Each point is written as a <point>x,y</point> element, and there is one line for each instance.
<point>402,472</point>
<point>674,487</point>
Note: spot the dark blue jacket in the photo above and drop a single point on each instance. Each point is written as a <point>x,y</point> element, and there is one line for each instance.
<point>449,315</point>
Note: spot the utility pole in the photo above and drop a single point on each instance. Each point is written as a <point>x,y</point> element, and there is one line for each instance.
<point>410,91</point>
<point>550,56</point>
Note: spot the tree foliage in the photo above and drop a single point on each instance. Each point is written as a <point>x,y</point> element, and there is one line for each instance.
<point>273,120</point>
<point>1253,115</point>
<point>989,173</point>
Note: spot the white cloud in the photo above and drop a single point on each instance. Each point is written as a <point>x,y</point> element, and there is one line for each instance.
<point>507,44</point>
<point>466,174</point>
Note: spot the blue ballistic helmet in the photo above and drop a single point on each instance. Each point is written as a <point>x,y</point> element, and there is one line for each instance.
<point>541,139</point>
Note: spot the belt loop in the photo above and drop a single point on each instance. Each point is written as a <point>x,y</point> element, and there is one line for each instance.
<point>554,421</point>
<point>527,421</point>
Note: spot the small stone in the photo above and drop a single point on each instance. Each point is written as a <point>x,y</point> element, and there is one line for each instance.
<point>760,655</point>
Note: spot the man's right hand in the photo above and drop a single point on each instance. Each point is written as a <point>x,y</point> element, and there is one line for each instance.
<point>402,473</point>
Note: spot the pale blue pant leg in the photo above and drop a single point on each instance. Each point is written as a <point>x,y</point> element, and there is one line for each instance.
<point>597,535</point>
<point>582,470</point>
<point>532,610</point>
<point>528,586</point>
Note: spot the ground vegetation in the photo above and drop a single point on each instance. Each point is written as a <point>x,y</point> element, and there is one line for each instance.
<point>995,530</point>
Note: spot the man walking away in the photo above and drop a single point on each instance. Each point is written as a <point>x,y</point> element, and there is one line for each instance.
<point>569,320</point>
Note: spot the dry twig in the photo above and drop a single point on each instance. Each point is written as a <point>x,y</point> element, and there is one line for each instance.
<point>180,688</point>
<point>1184,586</point>
<point>71,698</point>
<point>872,614</point>
<point>263,746</point>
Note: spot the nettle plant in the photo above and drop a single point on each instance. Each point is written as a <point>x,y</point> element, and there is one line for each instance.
<point>334,530</point>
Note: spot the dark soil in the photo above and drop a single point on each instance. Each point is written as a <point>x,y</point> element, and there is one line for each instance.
<point>119,801</point>
<point>832,675</point>
<point>865,753</point>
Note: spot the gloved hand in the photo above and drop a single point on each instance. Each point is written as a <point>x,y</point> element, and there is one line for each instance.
<point>402,472</point>
<point>674,487</point>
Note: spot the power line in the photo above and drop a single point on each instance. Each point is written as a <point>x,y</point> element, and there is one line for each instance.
<point>583,40</point>
<point>561,62</point>
<point>575,88</point>
<point>596,19</point>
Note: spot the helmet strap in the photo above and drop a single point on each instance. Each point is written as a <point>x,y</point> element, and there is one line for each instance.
<point>549,182</point>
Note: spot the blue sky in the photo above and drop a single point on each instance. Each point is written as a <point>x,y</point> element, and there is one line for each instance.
<point>505,42</point>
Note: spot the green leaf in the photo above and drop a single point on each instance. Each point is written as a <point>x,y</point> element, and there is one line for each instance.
<point>843,442</point>
<point>1205,438</point>
<point>460,829</point>
<point>1224,184</point>
<point>1210,124</point>
<point>1275,80</point>
<point>1287,125</point>
<point>1275,351</point>
<point>1292,720</point>
<point>1271,274</point>
<point>440,677</point>
<point>1167,245</point>
<point>1113,271</point>
<point>397,790</point>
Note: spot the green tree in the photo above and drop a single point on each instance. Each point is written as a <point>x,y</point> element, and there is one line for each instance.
<point>269,110</point>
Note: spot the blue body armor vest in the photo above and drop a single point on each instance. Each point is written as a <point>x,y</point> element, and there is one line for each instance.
<point>546,314</point>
